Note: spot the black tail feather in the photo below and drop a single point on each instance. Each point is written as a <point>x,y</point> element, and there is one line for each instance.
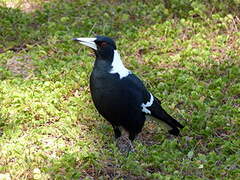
<point>158,112</point>
<point>174,131</point>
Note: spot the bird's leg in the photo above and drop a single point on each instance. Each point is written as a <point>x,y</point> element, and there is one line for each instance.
<point>132,136</point>
<point>124,144</point>
<point>117,131</point>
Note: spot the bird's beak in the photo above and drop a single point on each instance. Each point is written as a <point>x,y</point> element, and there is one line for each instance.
<point>87,42</point>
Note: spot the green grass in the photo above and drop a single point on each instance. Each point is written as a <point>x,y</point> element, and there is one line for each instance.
<point>188,54</point>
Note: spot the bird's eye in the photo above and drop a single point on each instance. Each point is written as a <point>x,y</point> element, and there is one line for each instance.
<point>103,44</point>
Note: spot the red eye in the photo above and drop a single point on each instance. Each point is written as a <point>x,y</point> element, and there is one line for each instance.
<point>103,44</point>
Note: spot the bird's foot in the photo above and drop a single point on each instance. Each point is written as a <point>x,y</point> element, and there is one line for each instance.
<point>125,145</point>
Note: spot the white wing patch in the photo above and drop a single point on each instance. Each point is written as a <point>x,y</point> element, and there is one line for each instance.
<point>118,67</point>
<point>148,104</point>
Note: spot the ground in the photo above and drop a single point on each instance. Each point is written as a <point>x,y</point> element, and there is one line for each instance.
<point>187,53</point>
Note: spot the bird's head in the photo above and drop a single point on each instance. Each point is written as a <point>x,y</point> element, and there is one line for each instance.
<point>103,46</point>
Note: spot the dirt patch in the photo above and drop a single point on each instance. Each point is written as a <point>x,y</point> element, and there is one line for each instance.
<point>147,136</point>
<point>21,65</point>
<point>27,6</point>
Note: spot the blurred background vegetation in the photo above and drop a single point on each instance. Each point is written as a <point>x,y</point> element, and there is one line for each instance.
<point>187,52</point>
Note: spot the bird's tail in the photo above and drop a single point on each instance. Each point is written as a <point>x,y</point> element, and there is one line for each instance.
<point>158,112</point>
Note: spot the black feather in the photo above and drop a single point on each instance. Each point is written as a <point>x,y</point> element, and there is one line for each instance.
<point>120,99</point>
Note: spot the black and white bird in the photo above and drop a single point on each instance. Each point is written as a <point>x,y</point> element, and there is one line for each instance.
<point>119,95</point>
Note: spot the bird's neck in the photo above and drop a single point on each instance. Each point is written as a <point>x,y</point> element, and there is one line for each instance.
<point>117,64</point>
<point>118,67</point>
<point>112,66</point>
<point>102,65</point>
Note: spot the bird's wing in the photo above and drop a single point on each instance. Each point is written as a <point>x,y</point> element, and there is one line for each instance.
<point>150,104</point>
<point>136,88</point>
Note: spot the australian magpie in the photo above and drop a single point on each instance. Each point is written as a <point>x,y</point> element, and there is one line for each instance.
<point>119,95</point>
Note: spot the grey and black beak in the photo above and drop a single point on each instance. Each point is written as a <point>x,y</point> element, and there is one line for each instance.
<point>90,42</point>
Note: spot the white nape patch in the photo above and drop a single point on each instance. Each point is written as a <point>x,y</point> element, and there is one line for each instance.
<point>88,42</point>
<point>148,104</point>
<point>118,67</point>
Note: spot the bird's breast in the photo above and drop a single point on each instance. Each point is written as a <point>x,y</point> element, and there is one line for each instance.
<point>103,83</point>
